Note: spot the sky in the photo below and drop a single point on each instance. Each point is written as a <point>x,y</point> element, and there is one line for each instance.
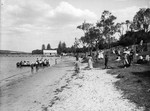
<point>27,24</point>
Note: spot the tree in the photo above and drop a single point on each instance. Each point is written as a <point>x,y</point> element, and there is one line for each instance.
<point>132,25</point>
<point>142,19</point>
<point>76,44</point>
<point>95,36</point>
<point>48,47</point>
<point>63,47</point>
<point>59,49</point>
<point>127,23</point>
<point>118,29</point>
<point>85,27</point>
<point>43,47</point>
<point>106,25</point>
<point>37,51</point>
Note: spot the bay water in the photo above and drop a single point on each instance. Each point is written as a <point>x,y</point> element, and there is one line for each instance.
<point>9,71</point>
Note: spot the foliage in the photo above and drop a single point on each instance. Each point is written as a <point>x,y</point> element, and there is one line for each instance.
<point>134,38</point>
<point>106,26</point>
<point>48,47</point>
<point>142,19</point>
<point>37,51</point>
<point>61,48</point>
<point>101,35</point>
<point>43,47</point>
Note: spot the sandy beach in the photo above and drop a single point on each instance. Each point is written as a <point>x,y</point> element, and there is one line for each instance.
<point>59,88</point>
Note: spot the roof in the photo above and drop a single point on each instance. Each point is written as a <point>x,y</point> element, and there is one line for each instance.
<point>49,51</point>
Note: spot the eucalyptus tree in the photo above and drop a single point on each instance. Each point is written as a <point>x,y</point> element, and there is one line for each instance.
<point>76,44</point>
<point>95,36</point>
<point>118,29</point>
<point>127,22</point>
<point>132,25</point>
<point>85,26</point>
<point>142,19</point>
<point>85,40</point>
<point>106,25</point>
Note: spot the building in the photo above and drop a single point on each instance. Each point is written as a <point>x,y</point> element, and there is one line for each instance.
<point>50,52</point>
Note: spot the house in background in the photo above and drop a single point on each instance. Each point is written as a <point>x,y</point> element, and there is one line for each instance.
<point>50,52</point>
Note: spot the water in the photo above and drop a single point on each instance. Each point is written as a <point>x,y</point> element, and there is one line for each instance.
<point>8,69</point>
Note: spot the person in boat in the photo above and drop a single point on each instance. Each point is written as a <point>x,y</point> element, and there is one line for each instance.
<point>21,63</point>
<point>28,63</point>
<point>18,64</point>
<point>24,63</point>
<point>45,63</point>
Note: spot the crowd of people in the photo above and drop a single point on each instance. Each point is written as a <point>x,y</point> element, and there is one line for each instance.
<point>37,64</point>
<point>126,55</point>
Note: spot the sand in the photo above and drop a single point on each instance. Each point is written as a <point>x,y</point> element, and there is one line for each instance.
<point>59,88</point>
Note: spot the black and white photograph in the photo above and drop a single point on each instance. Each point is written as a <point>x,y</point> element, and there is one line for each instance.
<point>74,55</point>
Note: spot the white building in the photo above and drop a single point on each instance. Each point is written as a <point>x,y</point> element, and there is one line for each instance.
<point>50,52</point>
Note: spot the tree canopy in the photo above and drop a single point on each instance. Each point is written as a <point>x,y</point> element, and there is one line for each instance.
<point>101,35</point>
<point>43,47</point>
<point>48,46</point>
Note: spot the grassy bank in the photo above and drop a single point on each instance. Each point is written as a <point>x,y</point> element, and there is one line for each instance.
<point>134,81</point>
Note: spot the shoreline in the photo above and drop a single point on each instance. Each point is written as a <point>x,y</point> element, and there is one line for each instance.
<point>61,89</point>
<point>27,89</point>
<point>23,72</point>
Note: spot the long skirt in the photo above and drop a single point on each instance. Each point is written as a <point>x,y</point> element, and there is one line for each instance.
<point>90,64</point>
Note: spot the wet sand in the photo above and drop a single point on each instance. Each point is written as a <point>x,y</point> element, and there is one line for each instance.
<point>30,93</point>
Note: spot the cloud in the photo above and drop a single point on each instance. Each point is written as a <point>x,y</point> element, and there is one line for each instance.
<point>121,0</point>
<point>38,13</point>
<point>30,21</point>
<point>23,12</point>
<point>65,15</point>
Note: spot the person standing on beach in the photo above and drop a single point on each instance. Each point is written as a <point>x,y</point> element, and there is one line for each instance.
<point>55,61</point>
<point>90,62</point>
<point>100,55</point>
<point>77,66</point>
<point>77,57</point>
<point>106,61</point>
<point>131,55</point>
<point>32,67</point>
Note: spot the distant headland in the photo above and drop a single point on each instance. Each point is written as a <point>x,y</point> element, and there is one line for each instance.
<point>13,52</point>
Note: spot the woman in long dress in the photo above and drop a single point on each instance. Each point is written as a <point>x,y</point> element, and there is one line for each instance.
<point>90,62</point>
<point>100,55</point>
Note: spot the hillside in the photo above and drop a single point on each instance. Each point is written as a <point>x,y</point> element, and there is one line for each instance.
<point>11,52</point>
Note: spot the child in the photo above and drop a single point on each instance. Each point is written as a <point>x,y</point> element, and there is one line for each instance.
<point>77,66</point>
<point>106,61</point>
